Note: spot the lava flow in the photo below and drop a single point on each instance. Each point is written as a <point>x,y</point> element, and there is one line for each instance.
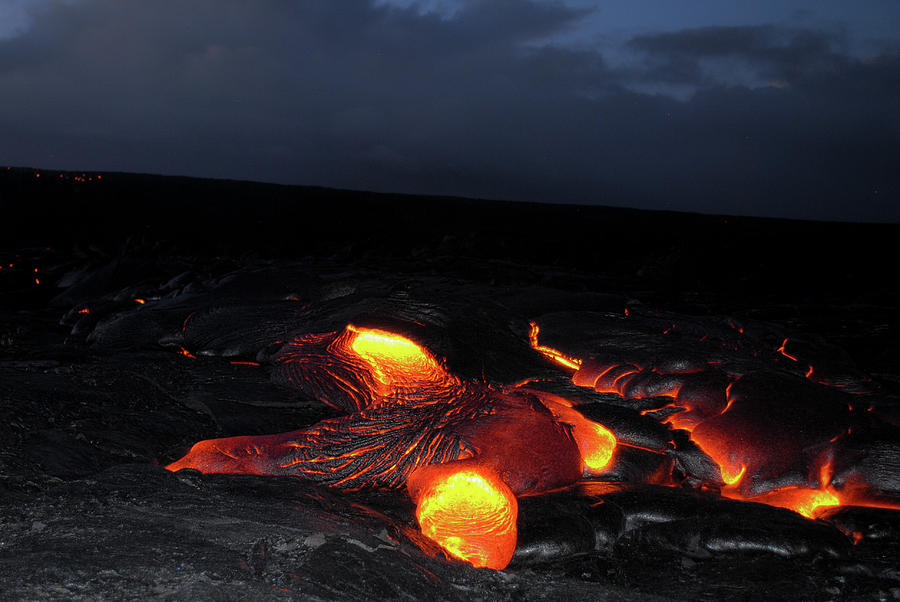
<point>464,450</point>
<point>748,425</point>
<point>470,512</point>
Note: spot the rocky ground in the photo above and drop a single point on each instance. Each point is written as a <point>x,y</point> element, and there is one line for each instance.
<point>123,342</point>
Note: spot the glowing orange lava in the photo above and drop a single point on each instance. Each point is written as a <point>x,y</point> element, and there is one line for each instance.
<point>549,352</point>
<point>801,500</point>
<point>393,359</point>
<point>472,515</point>
<point>732,478</point>
<point>783,352</point>
<point>596,447</point>
<point>464,449</point>
<point>724,451</point>
<point>595,442</point>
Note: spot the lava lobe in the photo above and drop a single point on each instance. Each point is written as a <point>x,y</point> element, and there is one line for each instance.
<point>413,424</point>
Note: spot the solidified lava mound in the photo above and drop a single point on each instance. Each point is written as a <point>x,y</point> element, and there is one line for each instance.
<point>372,426</point>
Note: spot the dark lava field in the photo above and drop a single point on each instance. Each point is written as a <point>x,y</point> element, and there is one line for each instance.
<point>747,368</point>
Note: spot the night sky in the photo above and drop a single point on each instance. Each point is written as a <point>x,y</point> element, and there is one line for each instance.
<point>781,108</point>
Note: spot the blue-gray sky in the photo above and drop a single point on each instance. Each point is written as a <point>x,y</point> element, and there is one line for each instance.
<point>779,108</point>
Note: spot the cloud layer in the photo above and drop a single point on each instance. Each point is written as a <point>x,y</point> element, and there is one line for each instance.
<point>767,120</point>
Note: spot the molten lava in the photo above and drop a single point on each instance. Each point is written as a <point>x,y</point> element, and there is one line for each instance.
<point>596,443</point>
<point>597,446</point>
<point>393,360</point>
<point>633,381</point>
<point>732,478</point>
<point>361,368</point>
<point>549,352</point>
<point>471,514</point>
<point>734,435</point>
<point>799,499</point>
<point>464,450</point>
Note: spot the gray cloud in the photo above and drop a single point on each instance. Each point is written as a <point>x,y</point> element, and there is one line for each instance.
<point>354,95</point>
<point>773,53</point>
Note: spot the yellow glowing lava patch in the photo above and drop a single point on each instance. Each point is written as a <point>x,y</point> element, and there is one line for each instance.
<point>379,346</point>
<point>472,516</point>
<point>813,500</point>
<point>393,358</point>
<point>801,500</point>
<point>733,478</point>
<point>596,444</point>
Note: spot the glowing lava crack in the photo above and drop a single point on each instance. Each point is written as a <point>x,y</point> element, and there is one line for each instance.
<point>463,449</point>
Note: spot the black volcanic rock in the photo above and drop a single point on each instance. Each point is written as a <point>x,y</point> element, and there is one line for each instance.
<point>141,338</point>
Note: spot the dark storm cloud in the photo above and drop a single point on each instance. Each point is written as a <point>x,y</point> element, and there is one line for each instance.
<point>772,52</point>
<point>820,139</point>
<point>349,94</point>
<point>759,41</point>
